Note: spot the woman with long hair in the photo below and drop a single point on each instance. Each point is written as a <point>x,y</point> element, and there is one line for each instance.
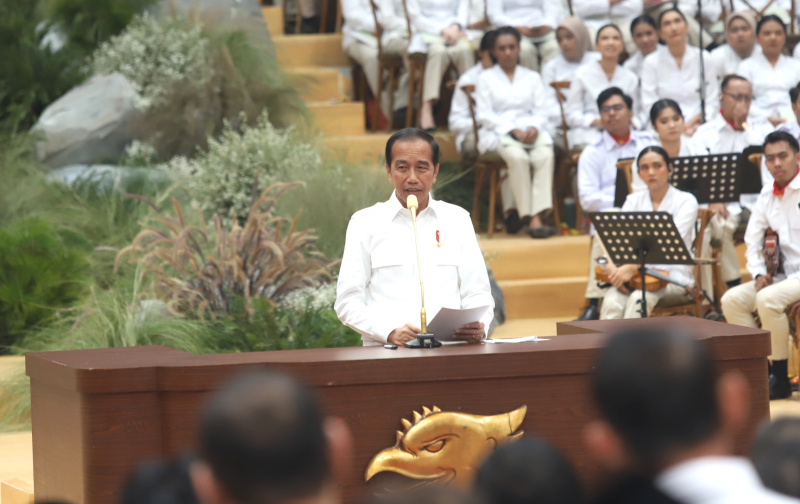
<point>513,108</point>
<point>771,73</point>
<point>673,71</point>
<point>583,115</point>
<point>621,300</point>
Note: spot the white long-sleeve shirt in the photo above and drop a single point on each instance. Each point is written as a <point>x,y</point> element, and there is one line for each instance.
<point>688,148</point>
<point>596,13</point>
<point>433,16</point>
<point>683,208</point>
<point>529,13</point>
<point>726,61</point>
<point>460,120</point>
<point>597,168</point>
<point>661,78</point>
<point>358,17</point>
<point>378,289</point>
<point>770,84</point>
<point>504,105</point>
<point>591,80</point>
<point>561,69</point>
<point>783,216</point>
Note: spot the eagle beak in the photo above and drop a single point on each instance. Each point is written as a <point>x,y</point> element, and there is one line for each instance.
<point>398,461</point>
<point>515,419</point>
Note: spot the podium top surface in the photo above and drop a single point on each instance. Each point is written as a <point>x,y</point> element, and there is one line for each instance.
<point>107,370</point>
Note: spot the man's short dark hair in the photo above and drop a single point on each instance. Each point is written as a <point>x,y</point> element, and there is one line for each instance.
<point>656,388</point>
<point>529,471</point>
<point>407,134</point>
<point>727,80</point>
<point>262,437</point>
<point>614,91</point>
<point>782,136</point>
<point>776,455</point>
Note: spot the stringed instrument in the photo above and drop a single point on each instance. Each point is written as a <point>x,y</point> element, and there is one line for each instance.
<point>651,283</point>
<point>772,252</point>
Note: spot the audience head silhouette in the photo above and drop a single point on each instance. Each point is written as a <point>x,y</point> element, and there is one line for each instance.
<point>776,455</point>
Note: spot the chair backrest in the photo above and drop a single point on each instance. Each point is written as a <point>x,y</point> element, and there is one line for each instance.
<point>560,87</point>
<point>760,12</point>
<point>378,27</point>
<point>569,6</point>
<point>755,158</point>
<point>469,89</point>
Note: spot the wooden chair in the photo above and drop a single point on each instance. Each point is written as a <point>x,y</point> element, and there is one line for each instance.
<point>323,17</point>
<point>416,75</point>
<point>570,160</point>
<point>490,162</point>
<point>794,350</point>
<point>760,12</point>
<point>391,64</point>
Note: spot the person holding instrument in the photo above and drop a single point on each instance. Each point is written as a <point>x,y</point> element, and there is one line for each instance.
<point>378,293</point>
<point>772,291</point>
<point>654,168</point>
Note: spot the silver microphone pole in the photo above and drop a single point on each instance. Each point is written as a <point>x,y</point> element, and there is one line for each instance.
<point>423,340</point>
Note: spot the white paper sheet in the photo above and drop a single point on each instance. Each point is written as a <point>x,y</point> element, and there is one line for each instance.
<point>524,339</point>
<point>448,320</point>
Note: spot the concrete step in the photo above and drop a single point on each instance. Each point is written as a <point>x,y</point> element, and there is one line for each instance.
<point>560,297</point>
<point>317,84</point>
<point>517,257</point>
<point>310,50</point>
<point>338,118</point>
<point>370,148</point>
<point>273,16</point>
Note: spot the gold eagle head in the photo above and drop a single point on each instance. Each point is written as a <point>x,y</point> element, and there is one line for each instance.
<point>444,446</point>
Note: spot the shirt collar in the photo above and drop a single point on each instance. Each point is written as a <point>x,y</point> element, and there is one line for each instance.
<point>394,207</point>
<point>793,183</point>
<point>609,142</point>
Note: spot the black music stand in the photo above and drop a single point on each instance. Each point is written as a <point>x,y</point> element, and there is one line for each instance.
<point>717,178</point>
<point>641,238</point>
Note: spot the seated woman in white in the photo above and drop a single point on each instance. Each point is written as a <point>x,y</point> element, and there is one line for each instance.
<point>643,31</point>
<point>536,20</point>
<point>583,116</point>
<point>513,107</point>
<point>740,32</point>
<point>654,167</point>
<point>667,120</point>
<point>439,31</point>
<point>771,73</point>
<point>673,71</point>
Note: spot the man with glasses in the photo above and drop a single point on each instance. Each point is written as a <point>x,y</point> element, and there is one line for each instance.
<point>732,130</point>
<point>597,173</point>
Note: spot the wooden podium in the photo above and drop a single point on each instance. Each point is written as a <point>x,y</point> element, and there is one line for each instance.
<point>98,413</point>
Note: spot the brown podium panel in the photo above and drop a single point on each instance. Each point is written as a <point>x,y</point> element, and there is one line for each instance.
<point>98,413</point>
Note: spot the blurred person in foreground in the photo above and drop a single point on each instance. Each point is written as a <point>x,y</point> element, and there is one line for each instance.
<point>263,439</point>
<point>160,482</point>
<point>776,455</point>
<point>529,471</point>
<point>668,417</point>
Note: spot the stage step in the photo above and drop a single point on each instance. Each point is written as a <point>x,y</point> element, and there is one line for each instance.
<point>273,16</point>
<point>517,257</point>
<point>560,297</point>
<point>317,84</point>
<point>16,491</point>
<point>370,148</point>
<point>310,50</point>
<point>338,118</point>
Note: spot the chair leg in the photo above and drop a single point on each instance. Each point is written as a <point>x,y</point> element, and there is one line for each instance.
<point>323,18</point>
<point>376,109</point>
<point>492,200</point>
<point>298,19</point>
<point>421,71</point>
<point>412,84</point>
<point>476,198</point>
<point>391,90</point>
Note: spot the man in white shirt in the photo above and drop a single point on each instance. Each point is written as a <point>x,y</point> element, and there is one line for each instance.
<point>378,293</point>
<point>732,130</point>
<point>668,415</point>
<point>771,292</point>
<point>597,173</point>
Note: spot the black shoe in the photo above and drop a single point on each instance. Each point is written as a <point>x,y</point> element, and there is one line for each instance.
<point>779,385</point>
<point>310,24</point>
<point>513,222</point>
<point>592,312</point>
<point>542,232</point>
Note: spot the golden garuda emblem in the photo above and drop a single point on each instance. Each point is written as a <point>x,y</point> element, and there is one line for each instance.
<point>441,447</point>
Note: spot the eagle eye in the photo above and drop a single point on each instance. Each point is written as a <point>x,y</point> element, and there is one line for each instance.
<point>435,447</point>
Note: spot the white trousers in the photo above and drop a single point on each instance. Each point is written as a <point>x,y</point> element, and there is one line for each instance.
<point>739,303</point>
<point>367,57</point>
<point>722,230</point>
<point>618,305</point>
<point>592,289</point>
<point>439,58</point>
<point>532,193</point>
<point>535,53</point>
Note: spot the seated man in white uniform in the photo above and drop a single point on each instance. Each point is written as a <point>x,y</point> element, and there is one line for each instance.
<point>359,43</point>
<point>378,293</point>
<point>669,417</point>
<point>768,294</point>
<point>536,20</point>
<point>732,130</point>
<point>597,173</point>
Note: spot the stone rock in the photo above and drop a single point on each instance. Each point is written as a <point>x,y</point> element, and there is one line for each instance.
<point>89,123</point>
<point>105,177</point>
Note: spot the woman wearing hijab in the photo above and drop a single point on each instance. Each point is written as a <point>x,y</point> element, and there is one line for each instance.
<point>583,116</point>
<point>576,49</point>
<point>673,71</point>
<point>740,31</point>
<point>771,73</point>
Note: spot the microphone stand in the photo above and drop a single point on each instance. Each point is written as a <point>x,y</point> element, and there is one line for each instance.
<point>424,340</point>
